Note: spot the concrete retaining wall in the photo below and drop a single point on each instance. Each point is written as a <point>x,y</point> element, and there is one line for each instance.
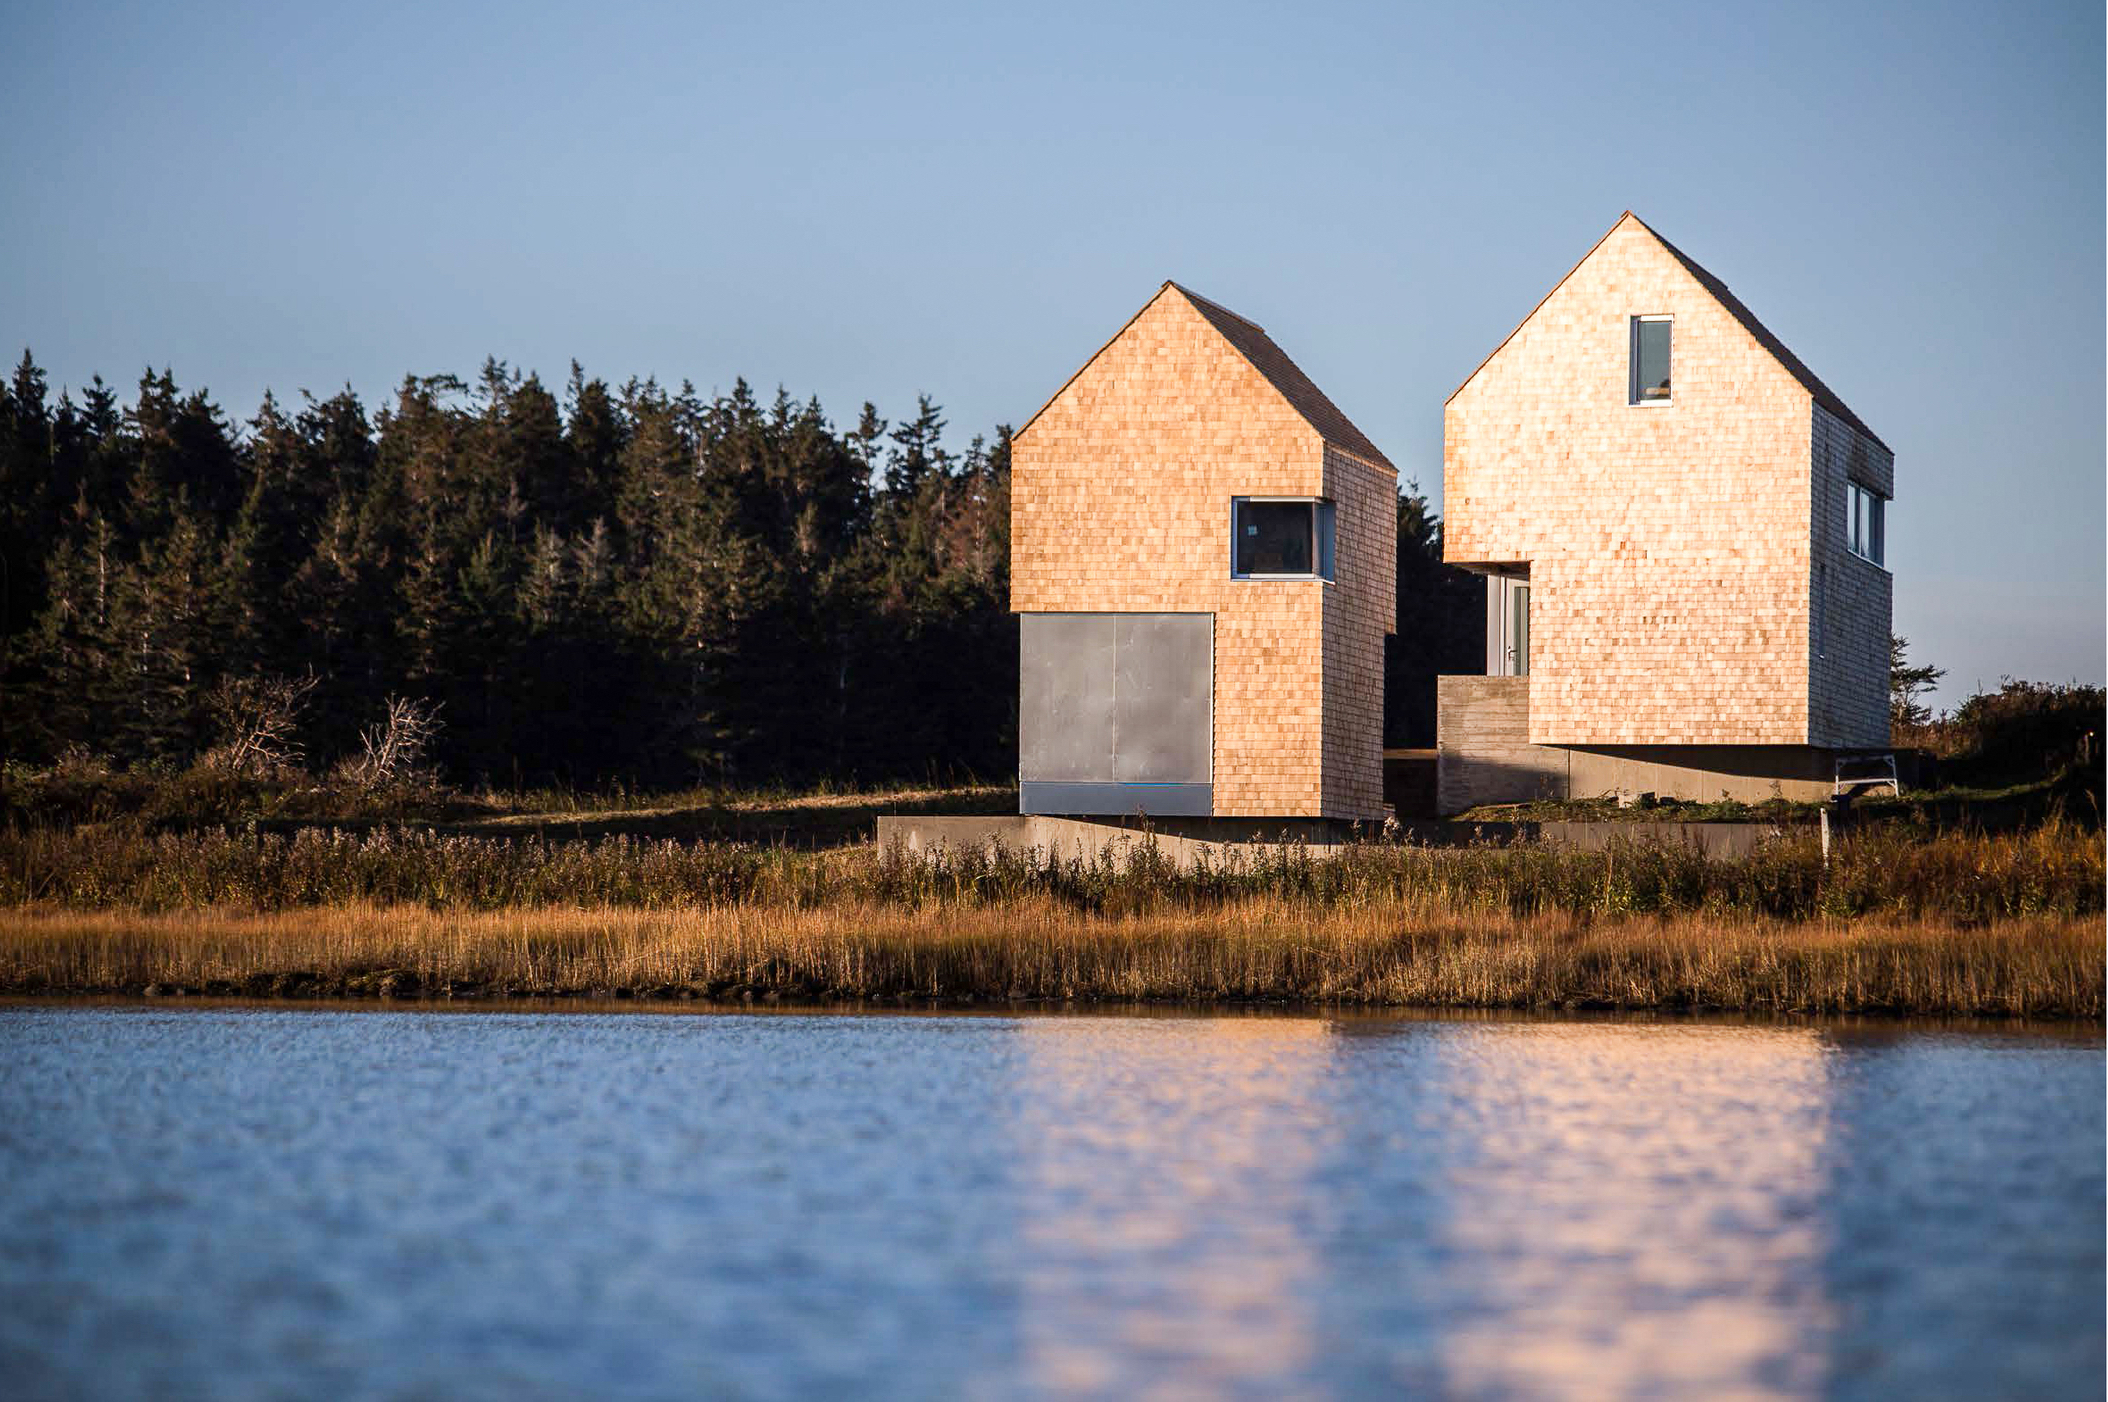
<point>1713,839</point>
<point>1704,773</point>
<point>1186,842</point>
<point>1483,749</point>
<point>1182,841</point>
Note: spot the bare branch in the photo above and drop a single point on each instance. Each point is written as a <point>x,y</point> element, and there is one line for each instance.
<point>394,747</point>
<point>258,719</point>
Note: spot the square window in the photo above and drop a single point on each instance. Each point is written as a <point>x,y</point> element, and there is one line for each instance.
<point>1650,359</point>
<point>1281,538</point>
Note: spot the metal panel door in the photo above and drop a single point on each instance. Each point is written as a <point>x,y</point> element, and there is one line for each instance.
<point>1065,696</point>
<point>1165,689</point>
<point>1116,713</point>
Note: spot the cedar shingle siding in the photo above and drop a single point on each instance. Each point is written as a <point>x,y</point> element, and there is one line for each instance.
<point>1673,551</point>
<point>1120,502</point>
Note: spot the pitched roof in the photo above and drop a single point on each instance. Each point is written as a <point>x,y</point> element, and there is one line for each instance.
<point>1250,340</point>
<point>1285,375</point>
<point>1793,364</point>
<point>1795,367</point>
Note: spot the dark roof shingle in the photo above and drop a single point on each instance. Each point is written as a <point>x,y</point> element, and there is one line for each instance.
<point>1792,363</point>
<point>1252,342</point>
<point>1809,380</point>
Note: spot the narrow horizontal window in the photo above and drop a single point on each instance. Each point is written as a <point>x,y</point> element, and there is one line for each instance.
<point>1650,359</point>
<point>1864,528</point>
<point>1280,538</point>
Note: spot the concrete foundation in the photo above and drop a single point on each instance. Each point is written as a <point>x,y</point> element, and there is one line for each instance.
<point>1703,773</point>
<point>1483,752</point>
<point>1216,840</point>
<point>1483,755</point>
<point>1183,841</point>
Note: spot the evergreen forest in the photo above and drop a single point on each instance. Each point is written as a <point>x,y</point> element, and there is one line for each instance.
<point>608,584</point>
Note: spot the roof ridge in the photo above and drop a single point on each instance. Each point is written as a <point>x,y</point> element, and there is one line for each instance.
<point>1167,286</point>
<point>1765,336</point>
<point>1288,379</point>
<point>1539,306</point>
<point>1191,295</point>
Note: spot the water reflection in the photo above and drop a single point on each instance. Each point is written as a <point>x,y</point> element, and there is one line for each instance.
<point>401,1204</point>
<point>1166,1243</point>
<point>1634,1210</point>
<point>1968,1207</point>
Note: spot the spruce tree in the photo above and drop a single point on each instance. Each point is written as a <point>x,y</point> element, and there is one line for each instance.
<point>918,452</point>
<point>642,582</point>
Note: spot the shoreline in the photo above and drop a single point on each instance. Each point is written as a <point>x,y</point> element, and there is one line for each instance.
<point>1867,1023</point>
<point>1251,953</point>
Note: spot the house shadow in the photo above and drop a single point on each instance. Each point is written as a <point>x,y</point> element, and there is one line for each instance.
<point>810,822</point>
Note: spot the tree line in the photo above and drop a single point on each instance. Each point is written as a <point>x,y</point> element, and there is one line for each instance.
<point>605,583</point>
<point>634,582</point>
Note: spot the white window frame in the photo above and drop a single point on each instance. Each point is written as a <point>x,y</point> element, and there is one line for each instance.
<point>1323,546</point>
<point>1632,362</point>
<point>1508,625</point>
<point>1865,526</point>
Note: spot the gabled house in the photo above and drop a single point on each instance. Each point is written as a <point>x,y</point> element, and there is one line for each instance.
<point>1681,529</point>
<point>1204,561</point>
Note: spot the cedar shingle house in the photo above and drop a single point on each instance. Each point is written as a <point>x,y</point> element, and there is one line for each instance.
<point>1681,530</point>
<point>1204,558</point>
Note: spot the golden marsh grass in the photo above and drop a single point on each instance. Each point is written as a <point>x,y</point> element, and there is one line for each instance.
<point>1917,923</point>
<point>1041,949</point>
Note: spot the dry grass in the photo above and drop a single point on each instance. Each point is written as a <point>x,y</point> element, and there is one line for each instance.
<point>1376,952</point>
<point>1950,923</point>
<point>2054,871</point>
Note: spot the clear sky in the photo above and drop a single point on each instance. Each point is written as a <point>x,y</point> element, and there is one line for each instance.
<point>864,202</point>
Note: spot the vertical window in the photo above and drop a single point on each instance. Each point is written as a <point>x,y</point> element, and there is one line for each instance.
<point>1650,359</point>
<point>1281,538</point>
<point>1863,524</point>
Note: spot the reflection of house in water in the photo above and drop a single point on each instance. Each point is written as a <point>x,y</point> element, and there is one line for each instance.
<point>1382,1206</point>
<point>1636,1211</point>
<point>1159,1156</point>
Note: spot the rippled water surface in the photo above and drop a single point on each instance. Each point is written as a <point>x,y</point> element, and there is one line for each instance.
<point>238,1202</point>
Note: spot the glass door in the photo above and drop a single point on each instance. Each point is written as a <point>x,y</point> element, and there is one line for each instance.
<point>1518,630</point>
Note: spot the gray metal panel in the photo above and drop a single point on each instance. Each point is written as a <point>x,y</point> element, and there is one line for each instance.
<point>1066,695</point>
<point>1116,800</point>
<point>1165,690</point>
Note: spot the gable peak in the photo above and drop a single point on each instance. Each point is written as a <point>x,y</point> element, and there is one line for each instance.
<point>1793,365</point>
<point>1250,341</point>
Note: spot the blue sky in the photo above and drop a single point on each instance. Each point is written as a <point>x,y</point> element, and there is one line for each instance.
<point>862,202</point>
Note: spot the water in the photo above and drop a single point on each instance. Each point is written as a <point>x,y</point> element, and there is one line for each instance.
<point>244,1203</point>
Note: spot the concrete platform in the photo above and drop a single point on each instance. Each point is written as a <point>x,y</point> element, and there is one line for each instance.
<point>1183,841</point>
<point>1719,840</point>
